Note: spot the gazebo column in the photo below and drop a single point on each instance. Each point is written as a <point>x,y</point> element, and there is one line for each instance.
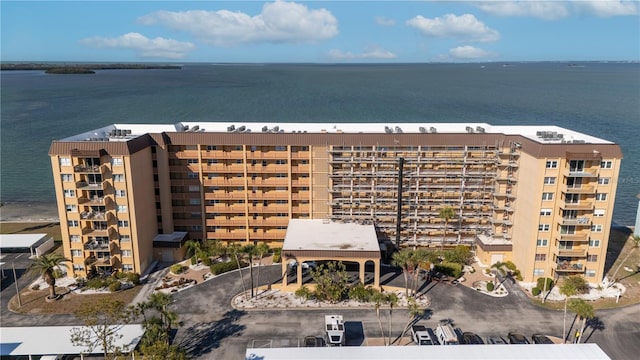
<point>361,268</point>
<point>285,273</point>
<point>376,273</point>
<point>299,274</point>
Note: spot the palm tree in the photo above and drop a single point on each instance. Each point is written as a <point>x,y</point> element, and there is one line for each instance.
<point>46,265</point>
<point>236,251</point>
<point>401,260</point>
<point>251,251</point>
<point>261,250</point>
<point>570,286</point>
<point>414,312</point>
<point>193,248</point>
<point>392,300</point>
<point>500,268</point>
<point>583,310</point>
<point>446,213</point>
<point>635,244</point>
<point>420,257</point>
<point>378,299</point>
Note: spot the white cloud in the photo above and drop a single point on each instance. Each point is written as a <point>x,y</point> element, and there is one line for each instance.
<point>370,53</point>
<point>554,10</point>
<point>548,10</point>
<point>608,8</point>
<point>157,48</point>
<point>469,52</point>
<point>464,28</point>
<point>278,22</point>
<point>385,21</point>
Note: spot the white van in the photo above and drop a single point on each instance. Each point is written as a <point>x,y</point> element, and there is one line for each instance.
<point>446,335</point>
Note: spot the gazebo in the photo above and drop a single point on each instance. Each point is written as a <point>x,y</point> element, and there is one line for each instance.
<point>324,240</point>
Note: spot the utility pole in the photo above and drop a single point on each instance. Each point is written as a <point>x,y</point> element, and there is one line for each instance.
<point>15,281</point>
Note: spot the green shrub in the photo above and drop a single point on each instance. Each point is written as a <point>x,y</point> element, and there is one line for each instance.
<point>304,293</point>
<point>461,254</point>
<point>177,268</point>
<point>223,267</point>
<point>115,286</point>
<point>207,261</point>
<point>536,291</point>
<point>97,283</point>
<point>360,293</point>
<point>541,283</point>
<point>193,260</point>
<point>490,286</point>
<point>450,269</point>
<point>57,274</point>
<point>132,277</point>
<point>277,255</point>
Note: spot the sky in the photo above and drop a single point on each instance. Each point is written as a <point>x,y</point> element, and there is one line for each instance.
<point>320,31</point>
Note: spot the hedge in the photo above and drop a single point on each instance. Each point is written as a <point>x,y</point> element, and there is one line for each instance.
<point>223,267</point>
<point>535,291</point>
<point>450,269</point>
<point>540,284</point>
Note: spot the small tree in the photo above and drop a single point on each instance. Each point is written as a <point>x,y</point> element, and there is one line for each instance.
<point>303,293</point>
<point>236,251</point>
<point>331,281</point>
<point>447,213</point>
<point>46,265</point>
<point>392,300</point>
<point>415,311</point>
<point>261,250</point>
<point>571,286</point>
<point>401,260</point>
<point>378,299</point>
<point>101,326</point>
<point>461,254</point>
<point>584,311</point>
<point>193,248</point>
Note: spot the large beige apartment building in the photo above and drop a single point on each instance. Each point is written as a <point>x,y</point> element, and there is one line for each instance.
<point>541,196</point>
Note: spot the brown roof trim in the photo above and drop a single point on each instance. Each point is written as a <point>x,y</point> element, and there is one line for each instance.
<point>103,147</point>
<point>336,254</point>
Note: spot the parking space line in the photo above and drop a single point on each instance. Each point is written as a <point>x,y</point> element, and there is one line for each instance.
<point>18,256</point>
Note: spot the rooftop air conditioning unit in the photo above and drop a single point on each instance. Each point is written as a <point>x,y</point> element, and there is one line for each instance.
<point>469,129</point>
<point>231,128</point>
<point>422,129</point>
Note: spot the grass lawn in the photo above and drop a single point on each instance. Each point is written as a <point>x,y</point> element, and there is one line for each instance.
<point>50,228</point>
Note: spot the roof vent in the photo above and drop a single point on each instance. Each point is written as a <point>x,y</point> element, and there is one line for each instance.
<point>480,129</point>
<point>469,129</point>
<point>195,128</point>
<point>398,129</point>
<point>276,129</point>
<point>433,130</point>
<point>422,129</point>
<point>388,130</point>
<point>231,128</point>
<point>265,128</point>
<point>242,128</point>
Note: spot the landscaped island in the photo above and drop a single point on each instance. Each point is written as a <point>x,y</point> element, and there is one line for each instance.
<point>82,68</point>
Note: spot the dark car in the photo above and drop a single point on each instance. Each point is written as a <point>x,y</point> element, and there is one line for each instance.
<point>516,338</point>
<point>541,339</point>
<point>313,341</point>
<point>496,340</point>
<point>470,338</point>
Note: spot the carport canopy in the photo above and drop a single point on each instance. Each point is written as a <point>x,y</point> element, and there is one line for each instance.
<point>318,239</point>
<point>22,241</point>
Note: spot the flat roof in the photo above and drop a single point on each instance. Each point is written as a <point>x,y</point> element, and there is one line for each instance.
<point>50,340</point>
<point>318,234</point>
<point>547,134</point>
<point>12,241</point>
<point>175,236</point>
<point>506,352</point>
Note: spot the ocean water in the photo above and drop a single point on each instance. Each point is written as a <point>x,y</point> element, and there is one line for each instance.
<point>600,99</point>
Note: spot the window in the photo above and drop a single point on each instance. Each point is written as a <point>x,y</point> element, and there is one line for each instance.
<point>601,197</point>
<point>543,227</point>
<point>281,148</point>
<point>127,267</point>
<point>281,188</point>
<point>604,181</point>
<point>598,212</point>
<point>253,148</point>
<point>192,175</point>
<point>238,147</point>
<point>541,257</point>
<point>281,175</point>
<point>74,238</point>
<point>126,252</point>
<point>547,196</point>
<point>549,180</point>
<point>72,208</point>
<point>196,227</point>
<point>594,243</point>
<point>192,161</point>
<point>121,193</point>
<point>592,258</point>
<point>65,161</point>
<point>69,193</point>
<point>545,212</point>
<point>116,162</point>
<point>123,223</point>
<point>72,223</point>
<point>542,242</point>
<point>282,215</point>
<point>281,201</point>
<point>590,273</point>
<point>125,238</point>
<point>78,267</point>
<point>121,208</point>
<point>211,147</point>
<point>239,161</point>
<point>538,272</point>
<point>67,177</point>
<point>552,164</point>
<point>281,162</point>
<point>196,215</point>
<point>194,201</point>
<point>607,164</point>
<point>596,228</point>
<point>76,253</point>
<point>194,188</point>
<point>118,177</point>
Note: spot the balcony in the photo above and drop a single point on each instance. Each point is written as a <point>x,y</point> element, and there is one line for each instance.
<point>101,261</point>
<point>570,267</point>
<point>88,169</point>
<point>571,252</point>
<point>584,221</point>
<point>582,236</point>
<point>583,205</point>
<point>96,231</point>
<point>579,189</point>
<point>96,245</point>
<point>83,185</point>
<point>577,172</point>
<point>93,215</point>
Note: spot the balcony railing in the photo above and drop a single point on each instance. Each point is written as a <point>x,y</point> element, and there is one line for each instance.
<point>585,221</point>
<point>575,236</point>
<point>571,252</point>
<point>576,172</point>
<point>580,189</point>
<point>583,205</point>
<point>96,245</point>
<point>93,215</point>
<point>566,266</point>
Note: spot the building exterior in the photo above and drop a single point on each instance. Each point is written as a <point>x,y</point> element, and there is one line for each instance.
<point>541,196</point>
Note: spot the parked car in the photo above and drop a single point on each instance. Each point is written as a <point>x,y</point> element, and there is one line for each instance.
<point>496,340</point>
<point>421,335</point>
<point>541,339</point>
<point>305,265</point>
<point>469,338</point>
<point>313,341</point>
<point>517,338</point>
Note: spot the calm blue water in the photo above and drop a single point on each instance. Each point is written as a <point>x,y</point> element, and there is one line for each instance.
<point>595,98</point>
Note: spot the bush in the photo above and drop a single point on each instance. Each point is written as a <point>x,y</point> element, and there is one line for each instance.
<point>57,274</point>
<point>177,268</point>
<point>277,255</point>
<point>304,293</point>
<point>115,286</point>
<point>97,283</point>
<point>134,278</point>
<point>360,293</point>
<point>207,261</point>
<point>541,284</point>
<point>461,254</point>
<point>223,267</point>
<point>193,260</point>
<point>490,286</point>
<point>536,291</point>
<point>450,269</point>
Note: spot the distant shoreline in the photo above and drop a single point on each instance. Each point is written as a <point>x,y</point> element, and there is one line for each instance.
<point>22,212</point>
<point>83,67</point>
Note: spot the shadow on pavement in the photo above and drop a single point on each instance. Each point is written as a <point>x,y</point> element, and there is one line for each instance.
<point>354,332</point>
<point>202,338</point>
